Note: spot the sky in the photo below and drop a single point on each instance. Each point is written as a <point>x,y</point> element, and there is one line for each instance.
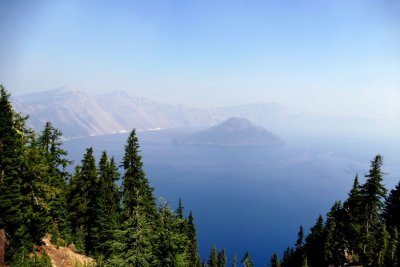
<point>335,57</point>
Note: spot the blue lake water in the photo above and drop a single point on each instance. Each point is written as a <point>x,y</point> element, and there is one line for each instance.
<point>251,198</point>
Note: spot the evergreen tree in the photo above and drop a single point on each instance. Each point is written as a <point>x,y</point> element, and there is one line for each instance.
<point>134,241</point>
<point>373,193</point>
<point>382,245</point>
<point>192,247</point>
<point>179,210</point>
<point>247,261</point>
<point>106,206</point>
<point>83,194</point>
<point>288,257</point>
<point>49,143</point>
<point>304,262</point>
<point>274,262</point>
<point>213,258</point>
<point>222,258</point>
<point>299,256</point>
<point>23,212</point>
<point>391,256</point>
<point>391,212</point>
<point>314,247</point>
<point>234,261</point>
<point>335,243</point>
<point>353,220</point>
<point>136,191</point>
<point>172,248</point>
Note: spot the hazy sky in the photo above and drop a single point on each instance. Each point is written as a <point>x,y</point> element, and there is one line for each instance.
<point>326,56</point>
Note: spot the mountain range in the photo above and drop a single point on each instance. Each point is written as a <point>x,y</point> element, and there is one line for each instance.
<point>78,114</point>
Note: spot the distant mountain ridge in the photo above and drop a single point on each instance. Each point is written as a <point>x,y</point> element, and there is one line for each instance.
<point>78,114</point>
<point>233,131</point>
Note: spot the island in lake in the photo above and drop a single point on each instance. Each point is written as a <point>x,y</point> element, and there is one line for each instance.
<point>234,131</point>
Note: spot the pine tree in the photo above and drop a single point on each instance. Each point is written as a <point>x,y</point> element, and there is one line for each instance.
<point>222,258</point>
<point>49,143</point>
<point>274,262</point>
<point>83,194</point>
<point>391,257</point>
<point>106,206</point>
<point>335,243</point>
<point>353,220</point>
<point>382,245</point>
<point>179,210</point>
<point>136,190</point>
<point>391,212</point>
<point>373,193</point>
<point>134,242</point>
<point>247,261</point>
<point>288,258</point>
<point>234,261</point>
<point>213,258</point>
<point>314,247</point>
<point>172,247</point>
<point>23,212</point>
<point>192,246</point>
<point>298,256</point>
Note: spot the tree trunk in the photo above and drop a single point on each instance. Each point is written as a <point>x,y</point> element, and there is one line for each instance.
<point>2,246</point>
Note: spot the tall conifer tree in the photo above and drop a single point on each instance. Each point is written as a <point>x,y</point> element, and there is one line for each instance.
<point>134,241</point>
<point>83,194</point>
<point>49,142</point>
<point>314,247</point>
<point>373,193</point>
<point>23,171</point>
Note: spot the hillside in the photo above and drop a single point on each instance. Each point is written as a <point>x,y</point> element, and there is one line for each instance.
<point>234,131</point>
<point>64,256</point>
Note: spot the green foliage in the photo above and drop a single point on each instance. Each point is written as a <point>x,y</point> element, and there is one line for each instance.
<point>391,212</point>
<point>274,262</point>
<point>194,259</point>
<point>55,193</point>
<point>213,258</point>
<point>391,256</point>
<point>24,213</point>
<point>354,233</point>
<point>82,196</point>
<point>222,258</point>
<point>315,242</point>
<point>173,242</point>
<point>134,243</point>
<point>247,261</point>
<point>106,205</point>
<point>24,258</point>
<point>136,191</point>
<point>373,193</point>
<point>234,261</point>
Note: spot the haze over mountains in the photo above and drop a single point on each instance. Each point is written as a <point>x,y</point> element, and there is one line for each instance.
<point>78,114</point>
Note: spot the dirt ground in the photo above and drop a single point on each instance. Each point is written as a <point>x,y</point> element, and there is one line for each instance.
<point>63,256</point>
